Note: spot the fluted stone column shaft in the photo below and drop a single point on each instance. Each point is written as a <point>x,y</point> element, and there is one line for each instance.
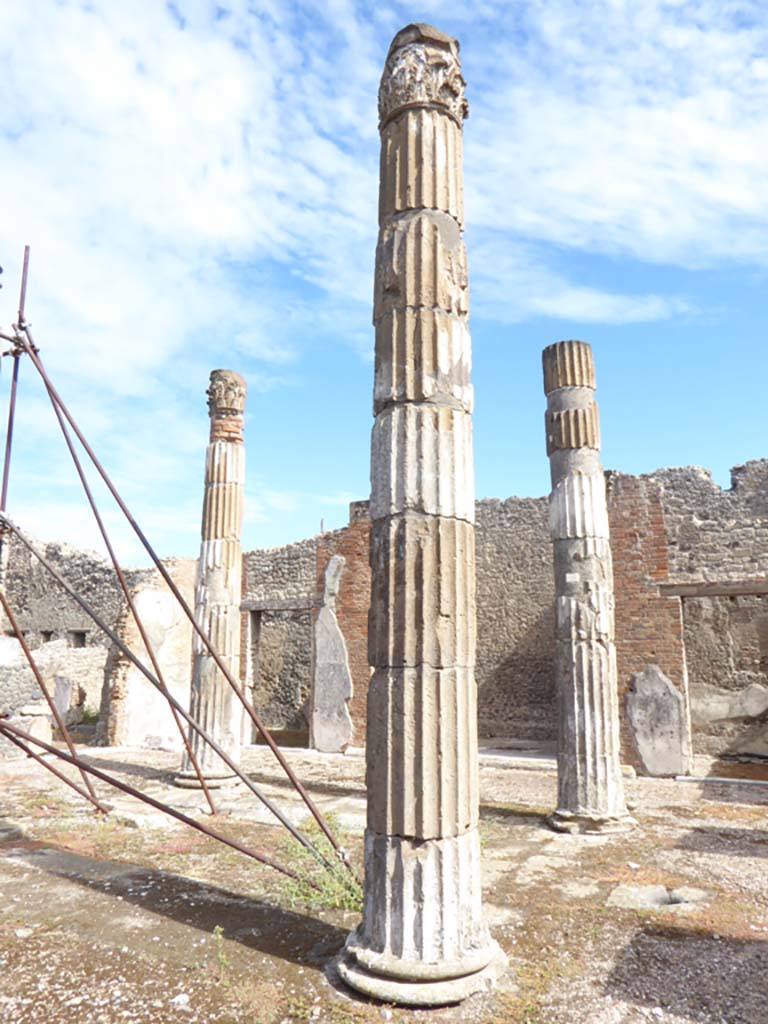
<point>214,705</point>
<point>590,787</point>
<point>422,939</point>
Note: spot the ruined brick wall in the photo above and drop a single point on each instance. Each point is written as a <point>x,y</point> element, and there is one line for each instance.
<point>649,628</point>
<point>515,625</point>
<point>676,526</point>
<point>277,639</point>
<point>352,604</point>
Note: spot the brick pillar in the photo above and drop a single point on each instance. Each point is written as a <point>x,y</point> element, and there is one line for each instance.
<point>422,940</point>
<point>214,705</point>
<point>590,786</point>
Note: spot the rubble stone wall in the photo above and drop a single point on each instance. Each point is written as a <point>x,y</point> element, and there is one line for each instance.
<point>515,624</point>
<point>68,645</point>
<point>278,637</point>
<point>674,526</point>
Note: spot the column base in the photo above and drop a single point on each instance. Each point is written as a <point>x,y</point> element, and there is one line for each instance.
<point>219,780</point>
<point>590,824</point>
<point>411,984</point>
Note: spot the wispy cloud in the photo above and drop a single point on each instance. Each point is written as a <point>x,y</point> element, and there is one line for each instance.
<point>200,189</point>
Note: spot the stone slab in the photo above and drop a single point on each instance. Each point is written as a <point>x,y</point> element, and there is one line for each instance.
<point>656,717</point>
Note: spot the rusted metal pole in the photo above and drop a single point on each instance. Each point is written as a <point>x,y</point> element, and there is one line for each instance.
<point>46,764</point>
<point>8,730</point>
<point>23,288</point>
<point>9,432</point>
<point>130,602</point>
<point>5,521</point>
<point>49,700</point>
<point>30,349</point>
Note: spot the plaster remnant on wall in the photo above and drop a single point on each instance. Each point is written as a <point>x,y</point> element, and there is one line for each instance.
<point>133,712</point>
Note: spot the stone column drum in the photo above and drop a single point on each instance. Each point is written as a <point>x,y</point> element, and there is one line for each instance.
<point>422,940</point>
<point>590,787</point>
<point>217,604</point>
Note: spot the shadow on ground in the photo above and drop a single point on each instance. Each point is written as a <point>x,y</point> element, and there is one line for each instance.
<point>701,977</point>
<point>728,842</point>
<point>256,924</point>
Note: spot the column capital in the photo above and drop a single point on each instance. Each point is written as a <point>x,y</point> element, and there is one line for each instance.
<point>422,70</point>
<point>226,402</point>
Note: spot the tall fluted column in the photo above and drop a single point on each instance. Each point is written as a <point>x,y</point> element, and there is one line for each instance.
<point>590,787</point>
<point>217,605</point>
<point>422,939</point>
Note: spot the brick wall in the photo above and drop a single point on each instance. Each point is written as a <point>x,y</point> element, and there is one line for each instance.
<point>649,627</point>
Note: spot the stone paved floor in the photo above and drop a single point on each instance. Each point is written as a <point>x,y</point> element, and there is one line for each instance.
<point>135,918</point>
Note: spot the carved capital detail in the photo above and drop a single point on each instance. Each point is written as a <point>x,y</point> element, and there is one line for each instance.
<point>226,394</point>
<point>422,70</point>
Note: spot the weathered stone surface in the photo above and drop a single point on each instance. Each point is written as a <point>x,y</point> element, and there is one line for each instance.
<point>423,455</point>
<point>656,715</point>
<point>422,355</point>
<point>423,264</point>
<point>34,719</point>
<point>411,182</point>
<point>133,713</point>
<point>422,939</point>
<point>214,705</point>
<point>577,507</point>
<point>422,752</point>
<point>330,721</point>
<point>573,428</point>
<point>590,787</point>
<point>568,364</point>
<point>423,592</point>
<point>423,70</point>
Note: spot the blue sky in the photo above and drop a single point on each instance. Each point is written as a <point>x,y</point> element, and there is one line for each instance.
<point>198,182</point>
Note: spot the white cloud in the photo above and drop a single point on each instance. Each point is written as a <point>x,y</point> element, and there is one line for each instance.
<point>633,129</point>
<point>199,190</point>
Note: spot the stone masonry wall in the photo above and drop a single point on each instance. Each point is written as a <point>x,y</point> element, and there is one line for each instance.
<point>712,534</point>
<point>281,582</point>
<point>68,645</point>
<point>676,526</point>
<point>44,611</point>
<point>726,642</point>
<point>515,624</point>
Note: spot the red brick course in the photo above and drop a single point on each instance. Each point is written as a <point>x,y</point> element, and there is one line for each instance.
<point>649,628</point>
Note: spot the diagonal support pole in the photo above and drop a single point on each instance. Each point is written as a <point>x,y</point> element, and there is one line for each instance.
<point>29,347</point>
<point>130,602</point>
<point>82,603</point>
<point>11,731</point>
<point>91,794</point>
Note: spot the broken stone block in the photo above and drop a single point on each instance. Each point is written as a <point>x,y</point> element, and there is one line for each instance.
<point>656,716</point>
<point>330,721</point>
